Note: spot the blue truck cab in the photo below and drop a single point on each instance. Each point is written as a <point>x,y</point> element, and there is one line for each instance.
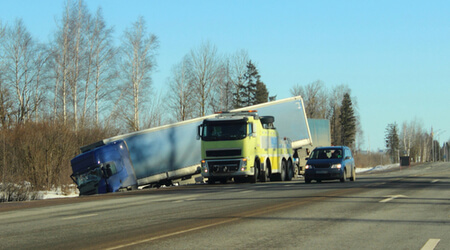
<point>103,168</point>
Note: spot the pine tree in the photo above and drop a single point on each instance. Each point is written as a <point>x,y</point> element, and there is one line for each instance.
<point>246,95</point>
<point>392,141</point>
<point>347,122</point>
<point>262,95</point>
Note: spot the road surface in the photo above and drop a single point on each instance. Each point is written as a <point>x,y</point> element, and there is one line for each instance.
<point>401,209</point>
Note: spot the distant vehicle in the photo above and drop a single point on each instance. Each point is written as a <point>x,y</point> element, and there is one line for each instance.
<point>329,163</point>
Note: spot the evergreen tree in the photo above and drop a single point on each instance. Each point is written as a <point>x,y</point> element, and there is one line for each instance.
<point>392,141</point>
<point>262,95</point>
<point>347,121</point>
<point>246,95</point>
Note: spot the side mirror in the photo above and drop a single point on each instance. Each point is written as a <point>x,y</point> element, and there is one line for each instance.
<point>199,131</point>
<point>347,157</point>
<point>307,158</point>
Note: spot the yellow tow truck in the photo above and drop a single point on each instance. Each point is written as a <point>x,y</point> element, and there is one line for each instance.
<point>245,147</point>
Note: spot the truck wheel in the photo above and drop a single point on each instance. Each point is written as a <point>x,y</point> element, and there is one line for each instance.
<point>262,174</point>
<point>283,171</point>
<point>254,178</point>
<point>353,177</point>
<point>290,171</point>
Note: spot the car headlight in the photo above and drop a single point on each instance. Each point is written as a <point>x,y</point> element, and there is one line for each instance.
<point>338,166</point>
<point>308,167</point>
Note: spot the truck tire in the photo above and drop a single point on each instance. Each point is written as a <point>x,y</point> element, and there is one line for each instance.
<point>289,171</point>
<point>283,171</point>
<point>262,174</point>
<point>254,178</point>
<point>267,119</point>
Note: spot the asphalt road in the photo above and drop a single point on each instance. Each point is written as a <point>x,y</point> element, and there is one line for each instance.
<point>401,209</point>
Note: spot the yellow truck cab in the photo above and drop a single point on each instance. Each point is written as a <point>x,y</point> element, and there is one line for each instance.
<point>245,147</point>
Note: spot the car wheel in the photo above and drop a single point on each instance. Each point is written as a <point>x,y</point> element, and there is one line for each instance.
<point>353,177</point>
<point>307,180</point>
<point>344,176</point>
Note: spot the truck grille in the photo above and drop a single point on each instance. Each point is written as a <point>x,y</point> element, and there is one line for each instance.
<point>224,166</point>
<point>224,152</point>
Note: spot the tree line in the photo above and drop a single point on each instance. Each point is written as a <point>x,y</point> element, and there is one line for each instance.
<point>412,140</point>
<point>81,87</point>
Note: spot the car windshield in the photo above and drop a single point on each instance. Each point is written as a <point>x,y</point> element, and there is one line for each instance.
<point>326,154</point>
<point>224,131</point>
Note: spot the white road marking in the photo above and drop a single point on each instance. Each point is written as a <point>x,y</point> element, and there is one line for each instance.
<point>434,181</point>
<point>391,197</point>
<point>171,234</point>
<point>79,216</point>
<point>246,191</point>
<point>431,244</point>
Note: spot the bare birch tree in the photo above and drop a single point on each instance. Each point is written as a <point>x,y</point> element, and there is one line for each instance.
<point>315,98</point>
<point>236,68</point>
<point>207,71</point>
<point>102,70</point>
<point>138,62</point>
<point>24,61</point>
<point>5,96</point>
<point>181,94</point>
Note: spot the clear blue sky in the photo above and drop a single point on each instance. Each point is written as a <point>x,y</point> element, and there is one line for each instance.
<point>394,55</point>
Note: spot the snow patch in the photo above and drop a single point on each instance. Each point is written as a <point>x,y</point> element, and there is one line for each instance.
<point>377,168</point>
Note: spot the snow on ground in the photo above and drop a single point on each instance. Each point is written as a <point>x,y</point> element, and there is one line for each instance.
<point>58,193</point>
<point>377,168</point>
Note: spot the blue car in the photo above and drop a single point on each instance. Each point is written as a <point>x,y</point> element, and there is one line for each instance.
<point>329,163</point>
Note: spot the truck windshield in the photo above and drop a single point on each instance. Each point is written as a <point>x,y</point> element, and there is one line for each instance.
<point>214,131</point>
<point>91,176</point>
